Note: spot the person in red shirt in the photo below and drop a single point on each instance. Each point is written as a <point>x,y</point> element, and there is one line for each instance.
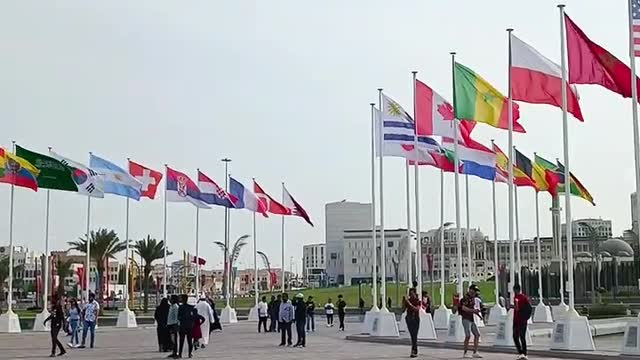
<point>521,315</point>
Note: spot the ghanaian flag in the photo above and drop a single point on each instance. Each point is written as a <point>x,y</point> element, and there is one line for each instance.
<point>520,178</point>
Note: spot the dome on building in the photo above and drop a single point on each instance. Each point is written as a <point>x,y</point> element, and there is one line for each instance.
<point>616,247</point>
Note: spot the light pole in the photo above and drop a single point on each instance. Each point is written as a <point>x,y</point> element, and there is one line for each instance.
<point>440,235</point>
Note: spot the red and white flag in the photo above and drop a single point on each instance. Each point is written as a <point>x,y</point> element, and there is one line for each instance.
<point>536,79</point>
<point>149,178</point>
<point>434,114</point>
<point>268,202</point>
<point>294,206</point>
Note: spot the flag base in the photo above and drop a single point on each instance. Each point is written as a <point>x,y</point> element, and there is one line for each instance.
<point>441,318</point>
<point>427,329</point>
<point>253,314</point>
<point>631,340</point>
<point>127,319</point>
<point>402,325</point>
<point>495,314</point>
<point>542,314</point>
<point>38,324</point>
<point>572,333</point>
<point>560,311</point>
<point>385,325</point>
<point>10,323</point>
<point>369,317</point>
<point>228,315</point>
<point>455,332</point>
<point>504,332</point>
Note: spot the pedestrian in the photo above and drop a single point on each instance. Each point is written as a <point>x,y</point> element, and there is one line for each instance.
<point>205,310</point>
<point>361,304</point>
<point>342,305</point>
<point>186,318</point>
<point>412,306</point>
<point>286,317</point>
<point>173,325</point>
<point>466,309</point>
<point>162,332</point>
<point>301,318</point>
<point>263,314</point>
<point>270,311</point>
<point>521,314</point>
<point>74,313</point>
<point>328,310</point>
<point>426,302</point>
<point>276,312</point>
<point>57,322</point>
<point>216,321</point>
<point>311,308</point>
<point>90,319</point>
<point>196,329</point>
<point>389,302</point>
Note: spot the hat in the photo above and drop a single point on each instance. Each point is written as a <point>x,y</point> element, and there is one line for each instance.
<point>474,287</point>
<point>300,296</point>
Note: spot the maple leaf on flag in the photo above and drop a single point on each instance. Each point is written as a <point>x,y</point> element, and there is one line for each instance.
<point>446,110</point>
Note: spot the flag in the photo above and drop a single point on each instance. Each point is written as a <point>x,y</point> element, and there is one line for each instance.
<point>534,173</point>
<point>576,188</point>
<point>434,114</point>
<point>150,179</point>
<point>635,19</point>
<point>180,188</point>
<point>195,259</point>
<point>443,159</point>
<point>89,182</point>
<point>520,178</point>
<point>398,127</point>
<point>17,171</point>
<point>477,100</point>
<point>475,159</point>
<point>296,209</point>
<point>271,205</point>
<point>213,194</point>
<point>115,180</point>
<point>589,63</point>
<point>246,199</point>
<point>551,174</point>
<point>536,79</point>
<point>53,174</point>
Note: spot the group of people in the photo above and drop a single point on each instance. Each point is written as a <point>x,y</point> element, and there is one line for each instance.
<point>68,315</point>
<point>177,321</point>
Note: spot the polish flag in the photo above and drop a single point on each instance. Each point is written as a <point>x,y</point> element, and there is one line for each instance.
<point>268,202</point>
<point>294,206</point>
<point>536,79</point>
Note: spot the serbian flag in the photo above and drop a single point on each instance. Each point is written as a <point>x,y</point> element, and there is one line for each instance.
<point>294,206</point>
<point>149,178</point>
<point>180,188</point>
<point>268,202</point>
<point>589,63</point>
<point>246,199</point>
<point>434,114</point>
<point>536,79</point>
<point>213,194</point>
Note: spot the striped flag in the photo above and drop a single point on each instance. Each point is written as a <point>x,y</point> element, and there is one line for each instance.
<point>635,26</point>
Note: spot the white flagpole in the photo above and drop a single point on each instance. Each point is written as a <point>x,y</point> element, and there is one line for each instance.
<point>88,255</point>
<point>634,109</point>
<point>45,294</point>
<point>469,260</point>
<point>512,264</point>
<point>539,249</point>
<point>282,244</point>
<point>410,265</point>
<point>442,305</point>
<point>197,259</point>
<point>10,279</point>
<point>567,176</point>
<point>227,265</point>
<point>383,255</point>
<point>164,236</point>
<point>416,184</point>
<point>126,268</point>
<point>518,245</point>
<point>374,283</point>
<point>255,259</point>
<point>457,180</point>
<point>496,258</point>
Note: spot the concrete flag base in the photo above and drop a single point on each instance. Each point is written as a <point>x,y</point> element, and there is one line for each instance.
<point>504,331</point>
<point>427,329</point>
<point>228,315</point>
<point>10,323</point>
<point>631,340</point>
<point>455,332</point>
<point>253,314</point>
<point>560,311</point>
<point>441,318</point>
<point>127,319</point>
<point>369,317</point>
<point>495,314</point>
<point>385,325</point>
<point>402,325</point>
<point>542,314</point>
<point>38,324</point>
<point>572,333</point>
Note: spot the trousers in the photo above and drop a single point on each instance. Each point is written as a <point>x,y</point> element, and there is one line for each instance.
<point>520,338</point>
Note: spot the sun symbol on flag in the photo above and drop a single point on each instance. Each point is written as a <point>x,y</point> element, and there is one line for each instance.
<point>394,108</point>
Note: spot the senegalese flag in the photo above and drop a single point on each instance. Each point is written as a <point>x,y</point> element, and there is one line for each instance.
<point>17,171</point>
<point>576,188</point>
<point>502,174</point>
<point>552,175</point>
<point>476,100</point>
<point>534,173</point>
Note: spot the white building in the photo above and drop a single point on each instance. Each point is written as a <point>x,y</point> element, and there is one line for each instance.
<point>603,228</point>
<point>341,216</point>
<point>314,264</point>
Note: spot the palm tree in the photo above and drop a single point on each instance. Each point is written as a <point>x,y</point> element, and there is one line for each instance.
<point>150,250</point>
<point>233,256</point>
<point>4,274</point>
<point>267,264</point>
<point>105,245</point>
<point>64,270</point>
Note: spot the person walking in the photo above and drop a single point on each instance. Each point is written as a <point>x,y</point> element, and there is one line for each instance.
<point>342,305</point>
<point>162,332</point>
<point>74,313</point>
<point>311,307</point>
<point>426,302</point>
<point>57,322</point>
<point>276,313</point>
<point>412,306</point>
<point>196,329</point>
<point>263,314</point>
<point>286,317</point>
<point>205,310</point>
<point>467,310</point>
<point>328,310</point>
<point>172,325</point>
<point>270,305</point>
<point>90,318</point>
<point>301,318</point>
<point>186,318</point>
<point>521,314</point>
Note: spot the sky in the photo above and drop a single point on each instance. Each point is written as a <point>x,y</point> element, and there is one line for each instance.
<point>283,87</point>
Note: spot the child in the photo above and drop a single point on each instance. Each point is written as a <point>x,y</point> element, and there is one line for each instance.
<point>328,310</point>
<point>196,331</point>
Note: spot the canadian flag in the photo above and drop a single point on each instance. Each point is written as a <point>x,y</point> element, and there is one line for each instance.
<point>434,114</point>
<point>150,179</point>
<point>294,206</point>
<point>268,202</point>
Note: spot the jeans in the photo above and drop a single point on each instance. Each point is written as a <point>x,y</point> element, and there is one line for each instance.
<point>173,338</point>
<point>341,318</point>
<point>311,322</point>
<point>54,340</point>
<point>262,321</point>
<point>89,326</point>
<point>302,335</point>
<point>330,319</point>
<point>74,331</point>
<point>285,333</point>
<point>413,325</point>
<point>520,338</point>
<point>186,333</point>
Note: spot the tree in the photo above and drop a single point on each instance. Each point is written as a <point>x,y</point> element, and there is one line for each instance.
<point>4,274</point>
<point>64,270</point>
<point>150,250</point>
<point>105,245</point>
<point>233,256</point>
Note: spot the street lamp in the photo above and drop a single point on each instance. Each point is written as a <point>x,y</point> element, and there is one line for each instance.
<point>440,235</point>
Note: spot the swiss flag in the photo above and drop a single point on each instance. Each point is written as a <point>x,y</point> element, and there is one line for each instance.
<point>150,179</point>
<point>268,202</point>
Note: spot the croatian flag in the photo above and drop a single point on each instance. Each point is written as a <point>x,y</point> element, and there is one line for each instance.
<point>180,188</point>
<point>245,198</point>
<point>213,194</point>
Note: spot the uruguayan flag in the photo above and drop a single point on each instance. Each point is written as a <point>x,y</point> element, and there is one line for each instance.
<point>115,180</point>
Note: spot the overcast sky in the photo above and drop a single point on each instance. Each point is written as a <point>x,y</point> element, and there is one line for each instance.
<point>282,88</point>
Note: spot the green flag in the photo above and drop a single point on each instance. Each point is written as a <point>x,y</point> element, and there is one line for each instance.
<point>53,174</point>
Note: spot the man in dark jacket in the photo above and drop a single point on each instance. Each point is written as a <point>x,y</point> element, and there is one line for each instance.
<point>311,308</point>
<point>275,316</point>
<point>342,305</point>
<point>301,316</point>
<point>186,317</point>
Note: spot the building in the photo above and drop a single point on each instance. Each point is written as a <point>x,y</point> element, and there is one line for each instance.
<point>341,216</point>
<point>603,228</point>
<point>314,264</point>
<point>482,266</point>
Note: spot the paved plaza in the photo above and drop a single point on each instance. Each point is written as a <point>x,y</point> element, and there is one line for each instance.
<point>238,341</point>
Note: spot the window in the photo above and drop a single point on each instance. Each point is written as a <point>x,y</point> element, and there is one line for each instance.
<point>354,260</point>
<point>334,256</point>
<point>389,243</point>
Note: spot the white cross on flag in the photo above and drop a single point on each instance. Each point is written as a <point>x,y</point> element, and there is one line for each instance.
<point>150,179</point>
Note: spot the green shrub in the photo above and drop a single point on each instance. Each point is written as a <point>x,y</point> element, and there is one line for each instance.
<point>610,310</point>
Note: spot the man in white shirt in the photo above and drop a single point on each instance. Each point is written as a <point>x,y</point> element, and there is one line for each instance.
<point>263,314</point>
<point>90,319</point>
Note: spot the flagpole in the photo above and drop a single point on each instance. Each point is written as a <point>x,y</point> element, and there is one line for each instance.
<point>374,285</point>
<point>227,260</point>
<point>416,184</point>
<point>512,264</point>
<point>383,255</point>
<point>518,250</point>
<point>46,250</point>
<point>126,268</point>
<point>442,305</point>
<point>255,259</point>
<point>409,274</point>
<point>164,236</point>
<point>634,110</point>
<point>567,176</point>
<point>197,259</point>
<point>10,279</point>
<point>539,249</point>
<point>457,179</point>
<point>282,244</point>
<point>496,258</point>
<point>469,261</point>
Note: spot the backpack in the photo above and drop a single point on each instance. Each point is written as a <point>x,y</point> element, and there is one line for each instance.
<point>526,310</point>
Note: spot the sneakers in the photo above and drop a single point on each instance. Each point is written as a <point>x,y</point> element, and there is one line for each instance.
<point>476,356</point>
<point>522,357</point>
<point>466,356</point>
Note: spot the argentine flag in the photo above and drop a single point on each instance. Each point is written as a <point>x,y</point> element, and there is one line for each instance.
<point>115,180</point>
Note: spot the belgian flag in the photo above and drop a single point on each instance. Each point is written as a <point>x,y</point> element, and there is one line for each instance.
<point>520,178</point>
<point>533,173</point>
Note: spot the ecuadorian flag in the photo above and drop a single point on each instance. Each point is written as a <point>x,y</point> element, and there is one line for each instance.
<point>17,171</point>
